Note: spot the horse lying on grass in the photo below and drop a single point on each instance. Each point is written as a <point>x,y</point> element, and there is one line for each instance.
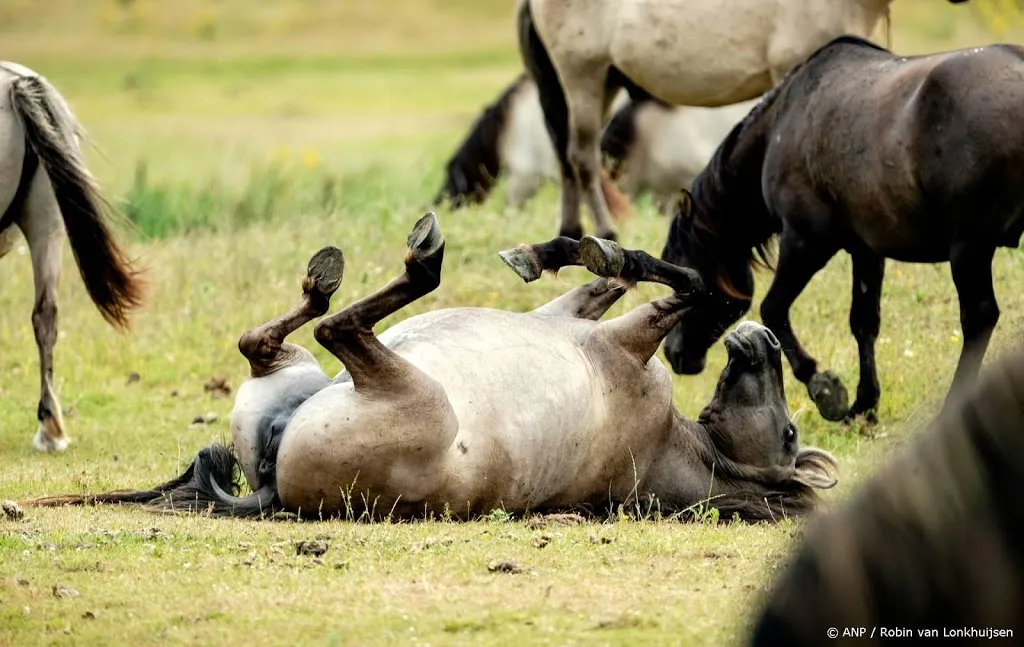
<point>464,410</point>
<point>933,542</point>
<point>918,159</point>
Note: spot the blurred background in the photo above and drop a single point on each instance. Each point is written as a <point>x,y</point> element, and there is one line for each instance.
<point>209,111</point>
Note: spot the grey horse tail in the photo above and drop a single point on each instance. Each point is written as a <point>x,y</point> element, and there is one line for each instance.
<point>51,131</point>
<point>208,485</point>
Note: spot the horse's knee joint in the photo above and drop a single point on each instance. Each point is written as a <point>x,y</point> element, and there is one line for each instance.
<point>979,319</point>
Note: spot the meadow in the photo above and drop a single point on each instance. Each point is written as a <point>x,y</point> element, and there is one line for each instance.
<point>238,138</point>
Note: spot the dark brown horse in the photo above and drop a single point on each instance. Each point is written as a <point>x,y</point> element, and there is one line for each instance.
<point>918,159</point>
<point>933,543</point>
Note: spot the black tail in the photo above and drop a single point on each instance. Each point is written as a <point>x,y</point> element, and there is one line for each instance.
<point>473,170</point>
<point>50,128</point>
<point>549,88</point>
<point>208,485</point>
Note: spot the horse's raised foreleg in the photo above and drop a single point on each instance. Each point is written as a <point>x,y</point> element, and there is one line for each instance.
<point>971,266</point>
<point>641,330</point>
<point>264,346</point>
<point>865,321</point>
<point>44,231</point>
<point>799,260</point>
<point>588,301</point>
<point>349,333</point>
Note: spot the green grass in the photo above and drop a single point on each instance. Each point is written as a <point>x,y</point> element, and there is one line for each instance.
<point>279,129</point>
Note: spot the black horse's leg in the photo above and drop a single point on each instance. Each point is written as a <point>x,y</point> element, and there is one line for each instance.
<point>971,265</point>
<point>865,320</point>
<point>799,260</point>
<point>530,261</point>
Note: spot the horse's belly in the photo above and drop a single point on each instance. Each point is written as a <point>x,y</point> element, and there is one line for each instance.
<point>686,54</point>
<point>531,422</point>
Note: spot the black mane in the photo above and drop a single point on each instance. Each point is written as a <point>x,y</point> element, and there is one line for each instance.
<point>474,168</point>
<point>714,195</point>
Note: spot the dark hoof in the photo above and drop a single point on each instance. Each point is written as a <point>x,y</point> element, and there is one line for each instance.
<point>860,415</point>
<point>602,257</point>
<point>523,262</point>
<point>325,271</point>
<point>425,239</point>
<point>829,395</point>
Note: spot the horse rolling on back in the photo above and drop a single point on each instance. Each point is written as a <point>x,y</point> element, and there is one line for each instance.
<point>648,147</point>
<point>45,191</point>
<point>932,543</point>
<point>464,410</point>
<point>918,159</point>
<point>694,52</point>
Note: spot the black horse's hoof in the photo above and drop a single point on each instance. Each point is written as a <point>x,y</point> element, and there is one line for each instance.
<point>324,272</point>
<point>425,239</point>
<point>523,261</point>
<point>860,415</point>
<point>829,395</point>
<point>602,257</point>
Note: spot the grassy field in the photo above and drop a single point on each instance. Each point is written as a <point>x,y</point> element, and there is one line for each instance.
<point>241,138</point>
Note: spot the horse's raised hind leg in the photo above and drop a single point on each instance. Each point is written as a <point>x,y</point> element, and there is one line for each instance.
<point>641,330</point>
<point>348,334</point>
<point>971,267</point>
<point>865,321</point>
<point>44,231</point>
<point>799,260</point>
<point>264,346</point>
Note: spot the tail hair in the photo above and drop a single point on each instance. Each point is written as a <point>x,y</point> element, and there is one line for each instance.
<point>53,133</point>
<point>209,485</point>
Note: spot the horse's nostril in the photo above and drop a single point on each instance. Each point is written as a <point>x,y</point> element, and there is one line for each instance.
<point>772,339</point>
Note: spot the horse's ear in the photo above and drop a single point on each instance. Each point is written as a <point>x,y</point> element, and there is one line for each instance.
<point>684,206</point>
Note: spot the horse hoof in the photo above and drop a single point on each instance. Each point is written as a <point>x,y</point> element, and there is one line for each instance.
<point>44,443</point>
<point>859,415</point>
<point>325,270</point>
<point>829,395</point>
<point>602,257</point>
<point>523,261</point>
<point>425,239</point>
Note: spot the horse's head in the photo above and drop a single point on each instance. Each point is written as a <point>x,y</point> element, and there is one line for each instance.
<point>748,419</point>
<point>726,274</point>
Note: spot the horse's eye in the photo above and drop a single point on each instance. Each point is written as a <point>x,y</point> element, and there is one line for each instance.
<point>789,434</point>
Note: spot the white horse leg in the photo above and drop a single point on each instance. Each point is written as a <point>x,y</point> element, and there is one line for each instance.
<point>587,102</point>
<point>44,231</point>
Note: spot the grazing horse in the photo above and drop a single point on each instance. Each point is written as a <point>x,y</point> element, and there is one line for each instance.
<point>648,146</point>
<point>46,190</point>
<point>694,52</point>
<point>932,543</point>
<point>510,137</point>
<point>918,159</point>
<point>465,410</point>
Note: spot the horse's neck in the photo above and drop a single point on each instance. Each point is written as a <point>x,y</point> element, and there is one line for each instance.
<point>691,469</point>
<point>865,15</point>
